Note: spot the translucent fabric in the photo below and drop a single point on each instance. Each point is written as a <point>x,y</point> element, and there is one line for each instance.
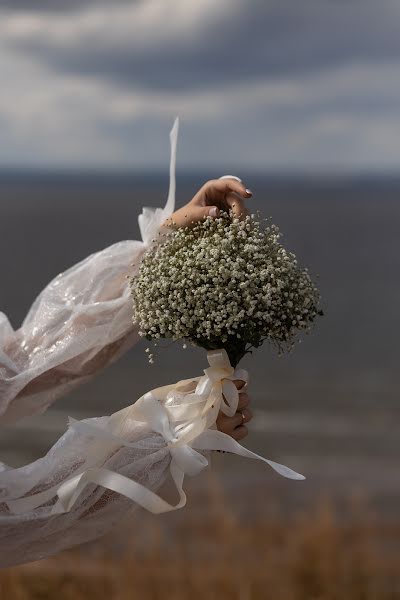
<point>79,324</point>
<point>37,533</point>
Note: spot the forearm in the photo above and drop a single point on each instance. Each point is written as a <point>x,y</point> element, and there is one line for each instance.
<point>68,374</point>
<point>80,323</point>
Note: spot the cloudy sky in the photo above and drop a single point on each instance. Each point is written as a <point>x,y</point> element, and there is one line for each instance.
<point>267,85</point>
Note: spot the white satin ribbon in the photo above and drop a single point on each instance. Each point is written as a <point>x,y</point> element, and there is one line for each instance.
<point>182,418</point>
<point>151,219</point>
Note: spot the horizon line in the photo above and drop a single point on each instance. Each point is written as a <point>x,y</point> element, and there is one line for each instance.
<point>188,172</point>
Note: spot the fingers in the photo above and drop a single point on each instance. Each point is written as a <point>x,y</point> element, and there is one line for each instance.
<point>240,433</point>
<point>244,401</point>
<point>237,205</point>
<point>191,213</point>
<point>239,383</point>
<point>215,195</point>
<point>241,416</point>
<point>228,194</point>
<point>218,189</point>
<point>232,425</point>
<point>234,185</point>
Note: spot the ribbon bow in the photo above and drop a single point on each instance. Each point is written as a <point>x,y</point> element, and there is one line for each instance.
<point>184,421</point>
<point>219,377</point>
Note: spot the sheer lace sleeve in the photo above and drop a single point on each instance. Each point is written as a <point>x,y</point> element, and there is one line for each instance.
<point>80,323</point>
<point>103,468</point>
<point>39,533</point>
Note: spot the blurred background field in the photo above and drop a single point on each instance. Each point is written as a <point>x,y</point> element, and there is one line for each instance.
<point>214,553</point>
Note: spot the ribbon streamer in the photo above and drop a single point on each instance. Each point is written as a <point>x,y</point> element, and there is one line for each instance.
<point>184,414</point>
<point>151,219</point>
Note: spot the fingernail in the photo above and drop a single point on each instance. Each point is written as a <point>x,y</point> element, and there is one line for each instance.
<point>231,177</point>
<point>249,191</point>
<point>213,212</point>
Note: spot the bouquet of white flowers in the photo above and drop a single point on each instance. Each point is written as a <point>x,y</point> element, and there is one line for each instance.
<point>224,283</point>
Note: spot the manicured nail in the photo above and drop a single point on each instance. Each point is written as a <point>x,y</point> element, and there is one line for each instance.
<point>213,212</point>
<point>249,192</point>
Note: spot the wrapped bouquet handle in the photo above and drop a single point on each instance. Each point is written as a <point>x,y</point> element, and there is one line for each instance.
<point>183,416</point>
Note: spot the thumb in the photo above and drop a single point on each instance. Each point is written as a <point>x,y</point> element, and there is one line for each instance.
<point>201,212</point>
<point>190,214</point>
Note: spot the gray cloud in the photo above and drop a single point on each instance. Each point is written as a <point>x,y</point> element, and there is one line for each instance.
<point>262,85</point>
<point>259,41</point>
<point>55,6</point>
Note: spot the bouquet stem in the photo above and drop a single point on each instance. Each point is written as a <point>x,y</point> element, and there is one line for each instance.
<point>235,353</point>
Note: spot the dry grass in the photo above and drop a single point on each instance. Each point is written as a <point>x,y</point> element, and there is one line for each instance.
<point>315,556</point>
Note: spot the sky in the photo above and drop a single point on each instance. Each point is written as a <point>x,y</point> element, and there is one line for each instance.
<point>263,85</point>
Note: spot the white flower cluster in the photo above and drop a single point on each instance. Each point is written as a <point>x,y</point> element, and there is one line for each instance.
<point>223,283</point>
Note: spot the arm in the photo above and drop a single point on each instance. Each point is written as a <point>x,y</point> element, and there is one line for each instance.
<point>79,324</point>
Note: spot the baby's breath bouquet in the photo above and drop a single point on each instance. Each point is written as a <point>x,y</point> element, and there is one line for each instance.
<point>224,283</point>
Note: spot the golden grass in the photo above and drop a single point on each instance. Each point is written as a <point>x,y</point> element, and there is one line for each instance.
<point>314,556</point>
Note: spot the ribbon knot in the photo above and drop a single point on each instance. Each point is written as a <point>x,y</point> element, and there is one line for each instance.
<point>218,384</point>
<point>154,413</point>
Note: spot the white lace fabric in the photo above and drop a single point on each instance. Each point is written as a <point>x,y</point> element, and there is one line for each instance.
<point>80,323</point>
<point>135,452</point>
<point>38,533</point>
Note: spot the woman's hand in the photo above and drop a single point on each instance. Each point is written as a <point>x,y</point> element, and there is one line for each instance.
<point>213,196</point>
<point>235,425</point>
